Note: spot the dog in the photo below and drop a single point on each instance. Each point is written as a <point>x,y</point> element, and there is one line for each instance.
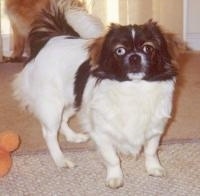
<point>120,85</point>
<point>22,13</point>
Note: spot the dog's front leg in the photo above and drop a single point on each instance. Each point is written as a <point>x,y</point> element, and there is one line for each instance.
<point>114,178</point>
<point>152,162</point>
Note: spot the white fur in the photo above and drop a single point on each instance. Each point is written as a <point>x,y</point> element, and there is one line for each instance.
<point>87,25</point>
<point>133,33</point>
<point>121,117</point>
<point>136,76</point>
<point>45,86</point>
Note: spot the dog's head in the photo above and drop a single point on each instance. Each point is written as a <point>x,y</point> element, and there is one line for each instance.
<point>133,52</point>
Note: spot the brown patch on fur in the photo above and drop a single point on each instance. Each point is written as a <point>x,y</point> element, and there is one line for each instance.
<point>51,23</point>
<point>95,50</point>
<point>22,13</point>
<point>175,45</point>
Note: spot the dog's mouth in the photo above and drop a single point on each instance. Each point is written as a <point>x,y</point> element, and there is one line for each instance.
<point>135,64</point>
<point>136,75</point>
<point>136,68</point>
<point>136,71</point>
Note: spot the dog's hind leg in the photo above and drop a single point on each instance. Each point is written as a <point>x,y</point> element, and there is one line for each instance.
<point>70,135</point>
<point>18,44</point>
<point>50,116</point>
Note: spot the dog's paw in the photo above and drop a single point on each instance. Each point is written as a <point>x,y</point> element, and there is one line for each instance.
<point>115,183</point>
<point>78,138</point>
<point>156,172</point>
<point>65,163</point>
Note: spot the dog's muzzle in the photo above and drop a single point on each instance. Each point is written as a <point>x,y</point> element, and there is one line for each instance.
<point>134,62</point>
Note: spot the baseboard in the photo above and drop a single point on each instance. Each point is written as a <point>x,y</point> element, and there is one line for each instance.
<point>6,44</point>
<point>193,40</point>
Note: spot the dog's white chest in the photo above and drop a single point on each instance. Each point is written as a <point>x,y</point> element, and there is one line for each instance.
<point>127,113</point>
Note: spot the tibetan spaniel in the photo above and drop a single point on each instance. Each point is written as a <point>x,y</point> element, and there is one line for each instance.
<point>120,86</point>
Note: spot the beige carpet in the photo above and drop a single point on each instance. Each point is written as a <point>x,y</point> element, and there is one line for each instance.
<point>185,125</point>
<point>36,175</point>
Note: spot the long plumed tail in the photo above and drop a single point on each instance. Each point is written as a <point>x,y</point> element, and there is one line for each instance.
<point>63,17</point>
<point>50,23</point>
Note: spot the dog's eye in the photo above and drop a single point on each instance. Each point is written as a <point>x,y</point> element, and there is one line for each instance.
<point>148,49</point>
<point>120,51</point>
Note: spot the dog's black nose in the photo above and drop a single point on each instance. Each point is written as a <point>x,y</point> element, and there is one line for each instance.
<point>134,59</point>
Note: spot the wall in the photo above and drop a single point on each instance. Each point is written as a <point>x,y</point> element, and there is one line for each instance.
<point>169,13</point>
<point>192,23</point>
<point>139,11</point>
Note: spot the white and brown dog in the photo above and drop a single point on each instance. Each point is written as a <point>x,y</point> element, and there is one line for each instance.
<point>120,85</point>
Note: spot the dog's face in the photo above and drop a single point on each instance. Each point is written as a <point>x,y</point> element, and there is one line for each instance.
<point>134,52</point>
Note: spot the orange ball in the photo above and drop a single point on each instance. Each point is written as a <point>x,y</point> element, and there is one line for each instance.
<point>9,140</point>
<point>5,162</point>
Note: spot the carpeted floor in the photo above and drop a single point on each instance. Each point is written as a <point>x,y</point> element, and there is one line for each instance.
<point>36,175</point>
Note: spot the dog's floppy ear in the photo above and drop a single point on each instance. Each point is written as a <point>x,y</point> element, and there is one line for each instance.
<point>114,26</point>
<point>95,50</point>
<point>96,47</point>
<point>175,44</point>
